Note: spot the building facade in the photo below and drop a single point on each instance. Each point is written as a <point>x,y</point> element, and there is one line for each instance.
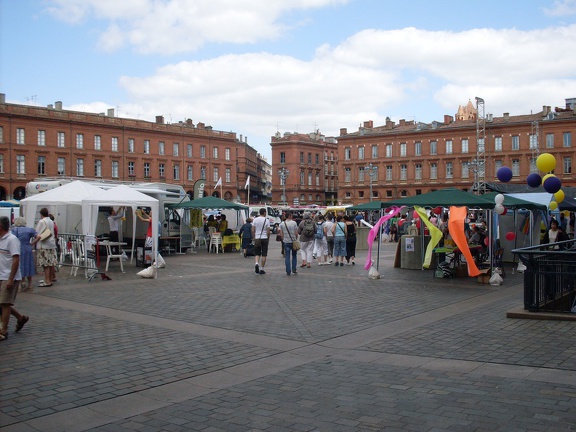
<point>410,158</point>
<point>305,169</point>
<point>50,142</point>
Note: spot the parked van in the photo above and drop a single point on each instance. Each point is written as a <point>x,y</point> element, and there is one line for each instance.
<point>272,213</point>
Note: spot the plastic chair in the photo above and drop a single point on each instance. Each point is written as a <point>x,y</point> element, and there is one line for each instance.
<point>215,241</point>
<point>110,255</point>
<point>198,237</point>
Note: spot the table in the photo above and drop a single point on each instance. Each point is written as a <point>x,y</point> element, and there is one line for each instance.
<point>233,240</point>
<point>169,244</point>
<point>454,254</point>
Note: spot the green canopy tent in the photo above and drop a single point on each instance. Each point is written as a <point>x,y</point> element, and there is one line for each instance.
<point>211,203</point>
<point>516,203</point>
<point>444,198</point>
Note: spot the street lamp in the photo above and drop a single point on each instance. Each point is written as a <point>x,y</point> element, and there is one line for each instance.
<point>372,173</point>
<point>283,173</point>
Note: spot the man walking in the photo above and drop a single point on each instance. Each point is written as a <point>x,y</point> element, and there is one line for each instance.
<point>9,277</point>
<point>261,236</point>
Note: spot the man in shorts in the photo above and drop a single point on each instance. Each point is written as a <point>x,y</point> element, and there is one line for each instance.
<point>9,277</point>
<point>261,236</point>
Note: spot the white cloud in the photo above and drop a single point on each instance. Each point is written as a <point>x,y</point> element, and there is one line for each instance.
<point>561,8</point>
<point>176,26</point>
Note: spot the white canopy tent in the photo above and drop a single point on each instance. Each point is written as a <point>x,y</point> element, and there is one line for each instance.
<point>64,202</point>
<point>119,196</point>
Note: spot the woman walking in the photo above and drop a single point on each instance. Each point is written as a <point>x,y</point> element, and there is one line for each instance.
<point>27,265</point>
<point>339,232</point>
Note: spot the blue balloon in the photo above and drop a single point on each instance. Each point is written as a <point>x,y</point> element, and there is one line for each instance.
<point>534,180</point>
<point>552,185</point>
<point>504,174</point>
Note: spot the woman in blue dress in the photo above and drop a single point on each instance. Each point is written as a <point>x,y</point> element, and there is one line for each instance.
<point>27,264</point>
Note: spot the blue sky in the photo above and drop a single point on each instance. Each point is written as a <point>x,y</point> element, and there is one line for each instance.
<point>260,66</point>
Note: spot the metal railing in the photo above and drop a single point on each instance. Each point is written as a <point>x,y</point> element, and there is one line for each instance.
<point>550,276</point>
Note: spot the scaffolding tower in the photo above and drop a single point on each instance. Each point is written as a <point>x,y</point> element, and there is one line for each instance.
<point>479,164</point>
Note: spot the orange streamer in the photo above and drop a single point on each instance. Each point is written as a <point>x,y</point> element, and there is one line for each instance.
<point>456,229</point>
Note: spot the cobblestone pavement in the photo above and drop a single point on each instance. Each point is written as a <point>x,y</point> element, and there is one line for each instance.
<point>210,346</point>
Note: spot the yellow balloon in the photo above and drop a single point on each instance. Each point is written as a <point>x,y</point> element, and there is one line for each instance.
<point>546,162</point>
<point>553,205</point>
<point>547,176</point>
<point>559,196</point>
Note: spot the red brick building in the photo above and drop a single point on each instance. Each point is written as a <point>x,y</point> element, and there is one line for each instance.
<point>412,158</point>
<point>311,164</point>
<point>49,142</point>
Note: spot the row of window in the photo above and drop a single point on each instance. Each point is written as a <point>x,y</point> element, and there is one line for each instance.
<point>449,148</point>
<point>465,171</point>
<point>115,169</point>
<point>302,159</point>
<point>114,144</point>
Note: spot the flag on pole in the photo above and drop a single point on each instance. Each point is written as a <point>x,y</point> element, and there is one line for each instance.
<point>247,185</point>
<point>219,183</point>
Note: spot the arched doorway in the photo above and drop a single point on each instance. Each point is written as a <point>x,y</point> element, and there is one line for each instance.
<point>228,196</point>
<point>215,194</point>
<point>2,194</point>
<point>20,193</point>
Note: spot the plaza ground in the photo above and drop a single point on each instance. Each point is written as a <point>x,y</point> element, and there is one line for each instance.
<point>210,346</point>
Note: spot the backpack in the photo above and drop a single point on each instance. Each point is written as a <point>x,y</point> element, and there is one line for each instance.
<point>320,231</point>
<point>309,229</point>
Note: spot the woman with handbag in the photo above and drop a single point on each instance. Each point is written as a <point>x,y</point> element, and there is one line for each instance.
<point>46,249</point>
<point>288,231</point>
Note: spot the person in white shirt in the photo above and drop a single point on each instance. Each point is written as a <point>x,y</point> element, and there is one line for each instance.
<point>114,222</point>
<point>10,277</point>
<point>261,236</point>
<point>46,249</point>
<point>288,231</point>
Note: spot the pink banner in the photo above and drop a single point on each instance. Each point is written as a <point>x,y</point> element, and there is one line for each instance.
<point>374,232</point>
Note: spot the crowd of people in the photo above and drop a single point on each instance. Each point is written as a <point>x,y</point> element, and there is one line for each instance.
<point>328,239</point>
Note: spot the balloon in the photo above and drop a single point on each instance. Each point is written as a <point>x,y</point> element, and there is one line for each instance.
<point>437,210</point>
<point>504,174</point>
<point>546,177</point>
<point>552,185</point>
<point>534,180</point>
<point>546,162</point>
<point>499,208</point>
<point>559,196</point>
<point>499,199</point>
<point>505,211</point>
<point>553,205</point>
<point>510,236</point>
<point>486,241</point>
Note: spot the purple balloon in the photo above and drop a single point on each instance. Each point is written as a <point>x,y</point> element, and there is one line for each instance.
<point>534,180</point>
<point>504,174</point>
<point>552,185</point>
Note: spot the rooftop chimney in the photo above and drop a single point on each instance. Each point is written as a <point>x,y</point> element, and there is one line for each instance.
<point>110,112</point>
<point>402,122</point>
<point>160,119</point>
<point>389,123</point>
<point>343,131</point>
<point>189,122</point>
<point>58,105</point>
<point>506,117</point>
<point>369,124</point>
<point>2,98</point>
<point>448,119</point>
